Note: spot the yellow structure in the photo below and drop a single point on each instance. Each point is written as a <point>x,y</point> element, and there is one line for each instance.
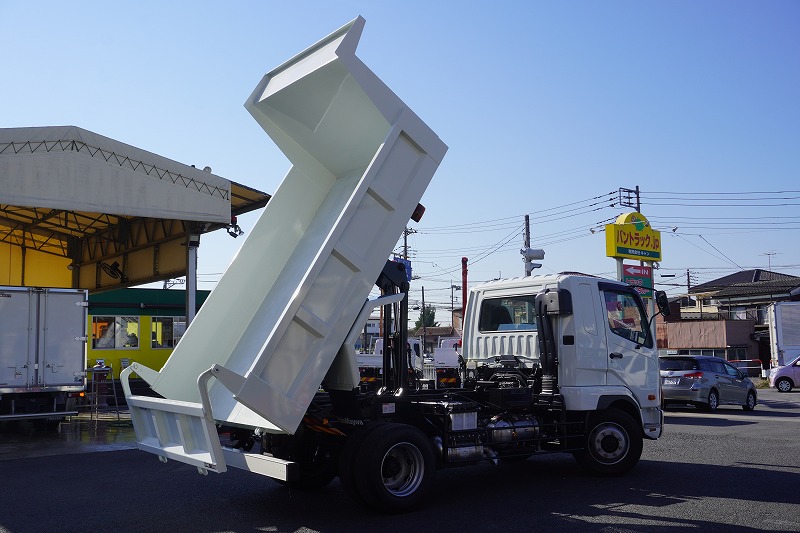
<point>631,237</point>
<point>135,325</point>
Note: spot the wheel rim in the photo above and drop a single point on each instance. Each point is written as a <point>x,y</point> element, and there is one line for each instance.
<point>402,469</point>
<point>609,443</point>
<point>783,385</point>
<point>713,401</point>
<point>751,400</point>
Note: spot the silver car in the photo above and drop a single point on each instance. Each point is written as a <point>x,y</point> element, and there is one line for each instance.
<point>706,382</point>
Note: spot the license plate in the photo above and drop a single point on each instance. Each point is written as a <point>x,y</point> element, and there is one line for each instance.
<point>670,381</point>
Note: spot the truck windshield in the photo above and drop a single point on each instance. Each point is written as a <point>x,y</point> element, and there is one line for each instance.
<point>626,318</point>
<point>511,313</point>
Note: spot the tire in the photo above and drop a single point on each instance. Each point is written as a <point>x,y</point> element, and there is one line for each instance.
<point>396,468</point>
<point>751,401</point>
<point>613,444</point>
<point>349,456</point>
<point>784,385</point>
<point>317,465</point>
<point>313,474</point>
<point>713,401</point>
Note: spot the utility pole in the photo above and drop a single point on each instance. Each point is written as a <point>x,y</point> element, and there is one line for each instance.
<point>406,233</point>
<point>452,299</point>
<point>528,253</point>
<point>626,198</point>
<point>526,240</point>
<point>627,201</point>
<point>422,316</point>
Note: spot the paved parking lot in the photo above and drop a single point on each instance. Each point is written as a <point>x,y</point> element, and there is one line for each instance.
<point>731,471</point>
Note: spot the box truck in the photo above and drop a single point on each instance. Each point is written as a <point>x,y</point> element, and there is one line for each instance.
<point>42,353</point>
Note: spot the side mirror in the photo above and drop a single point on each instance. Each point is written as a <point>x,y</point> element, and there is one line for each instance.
<point>662,303</point>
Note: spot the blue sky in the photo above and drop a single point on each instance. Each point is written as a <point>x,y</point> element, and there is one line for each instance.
<point>548,109</point>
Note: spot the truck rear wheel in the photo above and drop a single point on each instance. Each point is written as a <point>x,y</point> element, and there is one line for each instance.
<point>316,464</point>
<point>349,456</point>
<point>315,472</point>
<point>395,469</point>
<point>613,444</point>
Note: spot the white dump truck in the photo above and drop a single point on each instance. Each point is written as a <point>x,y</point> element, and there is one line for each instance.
<point>266,377</point>
<point>42,353</point>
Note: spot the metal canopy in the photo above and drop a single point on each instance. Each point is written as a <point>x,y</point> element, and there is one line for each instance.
<point>82,210</point>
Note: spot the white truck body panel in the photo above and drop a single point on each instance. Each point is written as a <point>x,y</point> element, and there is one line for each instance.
<point>42,351</point>
<point>375,359</point>
<point>482,346</point>
<point>42,339</point>
<point>274,324</point>
<point>784,332</point>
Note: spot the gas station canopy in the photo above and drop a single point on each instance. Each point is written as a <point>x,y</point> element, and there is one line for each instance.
<point>81,210</point>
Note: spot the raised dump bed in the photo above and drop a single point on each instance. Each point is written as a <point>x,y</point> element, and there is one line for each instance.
<point>271,329</point>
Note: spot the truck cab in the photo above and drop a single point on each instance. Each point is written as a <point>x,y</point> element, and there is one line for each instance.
<point>603,351</point>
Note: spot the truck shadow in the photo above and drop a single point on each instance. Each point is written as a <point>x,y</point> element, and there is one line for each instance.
<point>545,493</point>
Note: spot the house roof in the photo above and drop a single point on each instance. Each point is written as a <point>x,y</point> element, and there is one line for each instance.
<point>745,277</point>
<point>749,283</point>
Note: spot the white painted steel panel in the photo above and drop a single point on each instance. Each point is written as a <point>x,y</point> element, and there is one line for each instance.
<point>17,339</point>
<point>62,328</point>
<point>279,315</point>
<point>176,430</point>
<point>784,330</point>
<point>41,339</point>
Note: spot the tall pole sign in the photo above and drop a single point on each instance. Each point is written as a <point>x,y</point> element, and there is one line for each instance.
<point>631,237</point>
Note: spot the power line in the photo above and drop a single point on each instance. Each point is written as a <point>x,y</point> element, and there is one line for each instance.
<point>717,249</point>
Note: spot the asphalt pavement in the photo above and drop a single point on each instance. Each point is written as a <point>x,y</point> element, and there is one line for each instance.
<point>730,471</point>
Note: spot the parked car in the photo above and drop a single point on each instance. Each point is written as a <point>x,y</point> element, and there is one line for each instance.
<point>706,382</point>
<point>786,377</point>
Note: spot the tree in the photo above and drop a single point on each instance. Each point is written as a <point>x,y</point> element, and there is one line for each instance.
<point>427,318</point>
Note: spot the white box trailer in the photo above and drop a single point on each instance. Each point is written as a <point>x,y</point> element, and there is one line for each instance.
<point>784,332</point>
<point>42,352</point>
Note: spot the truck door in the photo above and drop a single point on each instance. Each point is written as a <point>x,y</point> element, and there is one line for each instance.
<point>631,360</point>
<point>17,338</point>
<point>63,325</point>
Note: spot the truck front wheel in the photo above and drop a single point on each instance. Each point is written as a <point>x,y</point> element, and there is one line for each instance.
<point>613,444</point>
<point>395,469</point>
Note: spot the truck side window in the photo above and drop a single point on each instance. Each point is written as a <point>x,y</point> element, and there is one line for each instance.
<point>511,313</point>
<point>625,317</point>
